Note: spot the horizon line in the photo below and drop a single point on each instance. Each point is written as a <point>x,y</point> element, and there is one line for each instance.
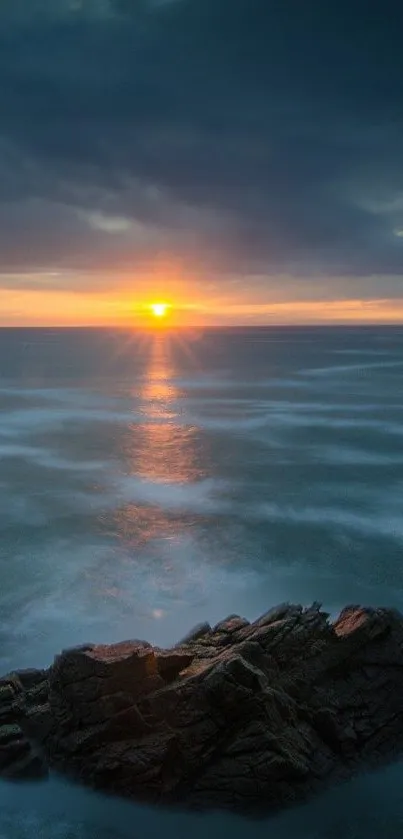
<point>182,328</point>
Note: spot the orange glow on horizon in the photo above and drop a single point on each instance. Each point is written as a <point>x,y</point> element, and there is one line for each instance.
<point>191,306</point>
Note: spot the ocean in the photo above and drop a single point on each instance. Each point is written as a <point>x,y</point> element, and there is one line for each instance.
<point>150,481</point>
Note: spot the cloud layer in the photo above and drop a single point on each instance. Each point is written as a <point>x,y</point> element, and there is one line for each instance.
<point>244,136</point>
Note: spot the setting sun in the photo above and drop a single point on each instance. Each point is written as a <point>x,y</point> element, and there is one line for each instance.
<point>159,310</point>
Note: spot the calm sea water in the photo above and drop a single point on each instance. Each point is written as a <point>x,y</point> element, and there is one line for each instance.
<point>151,482</point>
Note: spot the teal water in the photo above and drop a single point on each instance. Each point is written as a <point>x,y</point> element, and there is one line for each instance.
<point>151,482</point>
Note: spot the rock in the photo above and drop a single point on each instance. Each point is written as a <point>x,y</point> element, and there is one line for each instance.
<point>29,678</point>
<point>18,760</point>
<point>19,757</point>
<point>243,716</point>
<point>200,630</point>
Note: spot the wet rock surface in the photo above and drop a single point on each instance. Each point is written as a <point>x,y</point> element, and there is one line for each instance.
<point>243,716</point>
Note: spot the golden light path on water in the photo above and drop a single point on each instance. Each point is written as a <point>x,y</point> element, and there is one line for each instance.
<point>164,460</point>
<point>163,449</point>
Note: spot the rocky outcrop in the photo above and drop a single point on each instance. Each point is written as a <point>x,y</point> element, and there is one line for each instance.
<point>245,716</point>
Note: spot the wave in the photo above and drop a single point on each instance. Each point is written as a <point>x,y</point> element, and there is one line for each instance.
<point>349,368</point>
<point>230,424</point>
<point>363,353</point>
<point>74,396</point>
<point>47,459</point>
<point>205,496</point>
<point>344,455</point>
<point>373,524</point>
<point>292,420</point>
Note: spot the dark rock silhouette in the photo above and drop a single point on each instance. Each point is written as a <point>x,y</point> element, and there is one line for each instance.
<point>19,756</point>
<point>245,716</point>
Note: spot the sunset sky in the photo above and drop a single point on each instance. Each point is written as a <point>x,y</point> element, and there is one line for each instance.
<point>240,159</point>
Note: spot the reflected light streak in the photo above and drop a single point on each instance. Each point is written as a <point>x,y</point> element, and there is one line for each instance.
<point>158,559</point>
<point>162,449</point>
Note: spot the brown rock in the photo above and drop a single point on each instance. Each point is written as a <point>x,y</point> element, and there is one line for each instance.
<point>248,717</point>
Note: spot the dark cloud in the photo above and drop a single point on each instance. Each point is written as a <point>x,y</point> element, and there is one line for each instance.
<point>252,135</point>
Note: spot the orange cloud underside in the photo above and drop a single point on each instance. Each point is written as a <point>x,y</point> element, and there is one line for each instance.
<point>62,308</point>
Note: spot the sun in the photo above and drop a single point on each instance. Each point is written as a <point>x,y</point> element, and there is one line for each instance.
<point>159,310</point>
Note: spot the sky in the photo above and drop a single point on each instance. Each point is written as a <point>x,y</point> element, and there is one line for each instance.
<point>240,159</point>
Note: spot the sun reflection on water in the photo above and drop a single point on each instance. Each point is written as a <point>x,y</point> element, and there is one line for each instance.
<point>163,448</point>
<point>161,452</point>
<point>164,460</point>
